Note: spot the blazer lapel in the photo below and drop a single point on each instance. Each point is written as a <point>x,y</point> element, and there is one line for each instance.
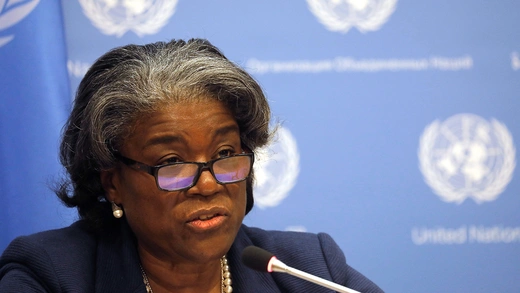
<point>245,279</point>
<point>117,264</point>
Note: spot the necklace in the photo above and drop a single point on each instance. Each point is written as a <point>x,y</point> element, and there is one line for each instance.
<point>225,275</point>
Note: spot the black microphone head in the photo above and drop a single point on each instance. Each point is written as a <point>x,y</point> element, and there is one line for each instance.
<point>256,258</point>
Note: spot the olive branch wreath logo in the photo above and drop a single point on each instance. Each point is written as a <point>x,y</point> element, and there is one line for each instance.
<point>149,22</point>
<point>498,181</point>
<point>342,21</point>
<point>12,12</point>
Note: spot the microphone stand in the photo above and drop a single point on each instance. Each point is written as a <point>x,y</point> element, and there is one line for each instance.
<point>280,267</point>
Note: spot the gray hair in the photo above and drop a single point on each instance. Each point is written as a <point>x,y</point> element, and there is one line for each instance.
<point>128,82</point>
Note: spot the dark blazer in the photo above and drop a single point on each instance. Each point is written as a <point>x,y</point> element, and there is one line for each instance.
<point>74,260</point>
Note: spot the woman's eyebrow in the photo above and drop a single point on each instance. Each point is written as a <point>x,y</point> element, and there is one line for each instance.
<point>172,138</point>
<point>226,130</point>
<point>164,139</point>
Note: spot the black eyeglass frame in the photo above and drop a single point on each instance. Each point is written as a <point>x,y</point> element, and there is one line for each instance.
<point>154,170</point>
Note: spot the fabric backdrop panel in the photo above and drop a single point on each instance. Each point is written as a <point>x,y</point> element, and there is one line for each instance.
<point>35,103</point>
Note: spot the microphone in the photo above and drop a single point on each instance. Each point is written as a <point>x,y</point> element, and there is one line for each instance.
<point>262,260</point>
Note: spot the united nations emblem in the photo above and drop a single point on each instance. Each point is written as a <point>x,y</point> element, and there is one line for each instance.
<point>341,15</point>
<point>116,17</point>
<point>276,169</point>
<point>12,12</point>
<point>467,156</point>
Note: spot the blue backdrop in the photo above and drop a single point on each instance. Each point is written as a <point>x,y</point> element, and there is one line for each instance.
<point>399,121</point>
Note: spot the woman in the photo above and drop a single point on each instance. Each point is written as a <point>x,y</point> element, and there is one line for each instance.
<point>159,150</point>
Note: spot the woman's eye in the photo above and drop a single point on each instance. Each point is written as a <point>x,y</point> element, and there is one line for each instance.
<point>226,153</point>
<point>171,160</point>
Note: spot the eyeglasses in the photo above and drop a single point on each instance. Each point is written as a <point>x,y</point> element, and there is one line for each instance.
<point>183,175</point>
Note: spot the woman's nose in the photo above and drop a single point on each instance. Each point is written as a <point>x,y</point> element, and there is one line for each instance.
<point>206,185</point>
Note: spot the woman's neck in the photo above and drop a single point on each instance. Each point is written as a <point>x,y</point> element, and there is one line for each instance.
<point>176,274</point>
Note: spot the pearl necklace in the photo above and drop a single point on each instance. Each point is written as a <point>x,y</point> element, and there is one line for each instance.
<point>225,274</point>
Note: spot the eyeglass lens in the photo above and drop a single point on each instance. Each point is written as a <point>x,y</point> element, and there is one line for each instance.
<point>226,170</point>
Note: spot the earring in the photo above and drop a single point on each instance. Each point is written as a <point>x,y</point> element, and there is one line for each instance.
<point>116,211</point>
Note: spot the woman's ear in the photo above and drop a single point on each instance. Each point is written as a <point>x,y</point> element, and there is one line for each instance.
<point>108,180</point>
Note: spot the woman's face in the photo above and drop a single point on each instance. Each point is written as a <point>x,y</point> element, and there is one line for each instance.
<point>194,224</point>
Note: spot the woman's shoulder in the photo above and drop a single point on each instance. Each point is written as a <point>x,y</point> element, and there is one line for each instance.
<point>291,241</point>
<point>63,241</point>
<point>50,255</point>
<point>314,253</point>
<point>301,249</point>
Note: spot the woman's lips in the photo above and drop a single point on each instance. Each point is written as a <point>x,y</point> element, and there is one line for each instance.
<point>208,224</point>
<point>207,219</point>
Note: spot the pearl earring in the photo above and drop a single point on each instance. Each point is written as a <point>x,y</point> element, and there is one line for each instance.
<point>116,211</point>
